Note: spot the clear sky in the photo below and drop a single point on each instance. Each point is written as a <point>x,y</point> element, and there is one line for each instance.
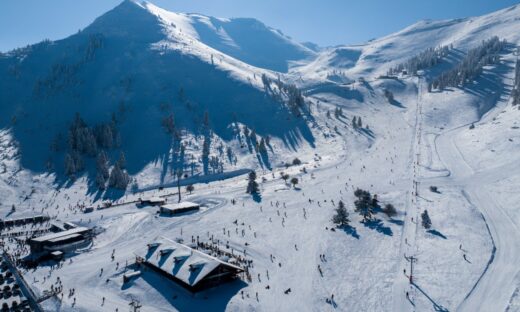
<point>325,22</point>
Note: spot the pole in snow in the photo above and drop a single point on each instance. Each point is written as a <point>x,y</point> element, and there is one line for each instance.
<point>411,259</point>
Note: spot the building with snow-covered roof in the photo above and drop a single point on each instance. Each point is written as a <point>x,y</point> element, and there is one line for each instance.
<point>188,267</point>
<point>171,209</point>
<point>152,201</point>
<point>23,221</point>
<point>60,241</point>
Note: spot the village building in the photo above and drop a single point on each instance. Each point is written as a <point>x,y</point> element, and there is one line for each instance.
<point>171,209</point>
<point>188,267</point>
<point>152,201</point>
<point>64,237</point>
<point>23,220</point>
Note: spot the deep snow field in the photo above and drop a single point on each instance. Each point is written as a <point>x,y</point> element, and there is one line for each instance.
<point>468,261</point>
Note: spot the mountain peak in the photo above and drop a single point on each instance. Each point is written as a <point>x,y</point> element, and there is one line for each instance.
<point>129,20</point>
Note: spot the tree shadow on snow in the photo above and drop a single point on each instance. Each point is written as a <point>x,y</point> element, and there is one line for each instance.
<point>397,222</point>
<point>396,103</point>
<point>377,225</point>
<point>350,230</point>
<point>437,233</point>
<point>257,197</point>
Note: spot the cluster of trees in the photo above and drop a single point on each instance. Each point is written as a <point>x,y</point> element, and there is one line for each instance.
<point>356,122</point>
<point>59,79</point>
<point>426,59</point>
<point>206,144</point>
<point>471,65</point>
<point>168,124</point>
<point>285,177</point>
<point>515,94</point>
<point>293,96</point>
<point>95,41</point>
<point>216,164</point>
<point>296,101</point>
<point>336,75</point>
<point>92,142</point>
<point>365,204</point>
<point>88,140</point>
<point>73,163</point>
<point>338,112</point>
<point>119,178</point>
<point>260,146</point>
<point>62,76</point>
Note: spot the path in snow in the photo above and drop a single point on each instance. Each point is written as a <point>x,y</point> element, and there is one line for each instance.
<point>408,248</point>
<point>495,287</point>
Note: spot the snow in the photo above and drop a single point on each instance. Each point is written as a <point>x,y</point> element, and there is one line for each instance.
<point>466,262</point>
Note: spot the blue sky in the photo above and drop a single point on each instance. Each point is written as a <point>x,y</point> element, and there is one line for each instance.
<point>325,22</point>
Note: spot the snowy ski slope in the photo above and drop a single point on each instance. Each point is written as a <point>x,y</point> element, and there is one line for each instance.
<point>468,261</point>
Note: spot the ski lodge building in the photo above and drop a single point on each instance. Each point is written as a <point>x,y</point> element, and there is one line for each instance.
<point>152,201</point>
<point>63,237</point>
<point>22,221</point>
<point>188,267</point>
<point>171,209</point>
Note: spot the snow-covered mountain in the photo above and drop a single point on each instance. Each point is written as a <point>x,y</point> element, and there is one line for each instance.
<point>375,57</point>
<point>248,40</point>
<point>143,64</point>
<point>245,39</point>
<point>451,151</point>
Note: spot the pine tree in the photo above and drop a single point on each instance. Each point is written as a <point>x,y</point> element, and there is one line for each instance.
<point>119,179</point>
<point>363,204</point>
<point>122,160</point>
<point>78,161</point>
<point>354,122</point>
<point>294,181</point>
<point>261,147</point>
<point>374,202</point>
<point>100,181</point>
<point>102,173</point>
<point>205,151</point>
<point>341,216</point>
<point>252,185</point>
<point>70,167</point>
<point>169,124</point>
<point>178,174</point>
<point>206,120</point>
<point>359,123</point>
<point>426,221</point>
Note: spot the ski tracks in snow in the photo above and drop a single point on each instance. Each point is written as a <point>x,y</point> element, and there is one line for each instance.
<point>498,281</point>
